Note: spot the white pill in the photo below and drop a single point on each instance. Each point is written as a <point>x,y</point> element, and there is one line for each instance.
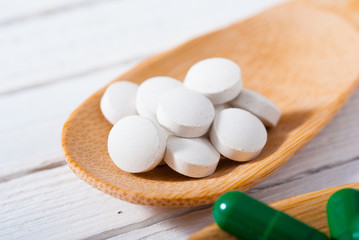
<point>185,112</point>
<point>258,105</point>
<point>238,134</point>
<point>193,157</point>
<point>219,79</point>
<point>149,93</point>
<point>136,144</point>
<point>119,100</point>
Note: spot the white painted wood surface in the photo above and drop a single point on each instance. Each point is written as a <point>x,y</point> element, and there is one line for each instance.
<point>97,36</point>
<point>53,54</point>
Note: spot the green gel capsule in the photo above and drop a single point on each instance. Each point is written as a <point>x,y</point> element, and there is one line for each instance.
<point>343,214</point>
<point>250,219</point>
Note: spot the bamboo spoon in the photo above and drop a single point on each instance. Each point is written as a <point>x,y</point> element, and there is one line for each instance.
<point>309,208</point>
<point>300,56</point>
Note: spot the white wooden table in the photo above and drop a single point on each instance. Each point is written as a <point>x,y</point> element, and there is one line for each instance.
<point>55,53</point>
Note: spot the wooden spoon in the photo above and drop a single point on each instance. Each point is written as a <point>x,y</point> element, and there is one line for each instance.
<point>309,208</point>
<point>305,59</point>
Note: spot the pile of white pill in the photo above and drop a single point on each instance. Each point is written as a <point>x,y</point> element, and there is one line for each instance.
<point>187,125</point>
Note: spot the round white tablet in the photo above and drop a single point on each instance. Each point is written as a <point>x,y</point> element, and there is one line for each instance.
<point>149,93</point>
<point>185,112</point>
<point>219,79</point>
<point>136,144</point>
<point>193,157</point>
<point>238,134</point>
<point>119,100</point>
<point>258,105</point>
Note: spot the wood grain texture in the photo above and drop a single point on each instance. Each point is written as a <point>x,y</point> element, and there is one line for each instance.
<point>309,208</point>
<point>177,227</point>
<point>327,177</point>
<point>55,204</point>
<point>302,58</point>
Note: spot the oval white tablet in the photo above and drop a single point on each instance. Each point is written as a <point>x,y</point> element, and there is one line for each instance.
<point>149,93</point>
<point>119,100</point>
<point>136,144</point>
<point>192,157</point>
<point>185,112</point>
<point>219,79</point>
<point>238,134</point>
<point>258,105</point>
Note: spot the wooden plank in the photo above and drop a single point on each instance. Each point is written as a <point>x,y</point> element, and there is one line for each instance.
<point>78,41</point>
<point>173,228</point>
<point>186,225</point>
<point>325,178</point>
<point>55,204</point>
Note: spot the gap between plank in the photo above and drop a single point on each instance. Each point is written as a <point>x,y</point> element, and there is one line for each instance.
<point>168,229</point>
<point>303,175</point>
<point>56,163</point>
<point>143,224</point>
<point>71,76</point>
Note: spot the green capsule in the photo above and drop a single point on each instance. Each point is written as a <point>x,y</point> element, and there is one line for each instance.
<point>343,214</point>
<point>250,219</point>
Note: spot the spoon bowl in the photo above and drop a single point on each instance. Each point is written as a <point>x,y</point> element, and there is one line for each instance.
<point>303,58</point>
